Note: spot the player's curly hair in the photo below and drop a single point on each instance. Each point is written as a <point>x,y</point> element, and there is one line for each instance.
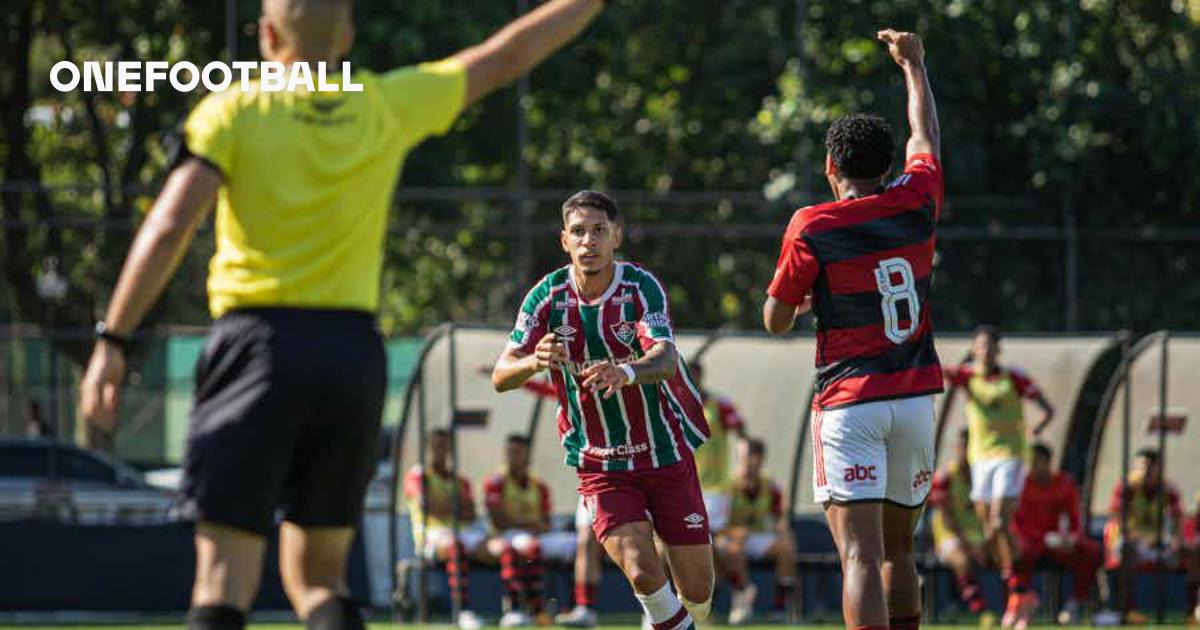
<point>861,146</point>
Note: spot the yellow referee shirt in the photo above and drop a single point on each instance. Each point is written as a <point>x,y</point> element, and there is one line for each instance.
<point>309,178</point>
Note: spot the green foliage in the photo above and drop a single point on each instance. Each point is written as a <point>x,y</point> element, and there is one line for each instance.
<point>1056,116</point>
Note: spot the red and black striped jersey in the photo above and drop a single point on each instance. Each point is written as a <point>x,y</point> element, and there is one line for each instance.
<point>867,263</point>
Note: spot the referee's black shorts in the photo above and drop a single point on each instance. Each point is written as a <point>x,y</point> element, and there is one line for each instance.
<point>287,410</point>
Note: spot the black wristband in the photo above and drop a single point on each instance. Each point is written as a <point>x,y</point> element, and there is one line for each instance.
<point>104,334</point>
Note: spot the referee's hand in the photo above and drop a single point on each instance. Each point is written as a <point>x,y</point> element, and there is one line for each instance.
<point>100,390</point>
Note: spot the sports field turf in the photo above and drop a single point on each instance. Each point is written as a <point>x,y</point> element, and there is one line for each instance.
<point>414,627</point>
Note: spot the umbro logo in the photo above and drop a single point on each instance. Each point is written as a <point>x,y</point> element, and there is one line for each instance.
<point>566,331</point>
<point>694,521</point>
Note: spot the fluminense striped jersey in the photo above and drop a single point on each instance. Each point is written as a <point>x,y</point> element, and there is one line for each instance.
<point>642,427</point>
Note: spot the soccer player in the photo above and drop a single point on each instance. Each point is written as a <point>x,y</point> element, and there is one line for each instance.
<point>1139,495</point>
<point>712,459</point>
<point>862,263</point>
<point>290,386</point>
<point>1048,500</point>
<point>998,445</point>
<point>518,510</point>
<point>629,415</point>
<point>587,571</point>
<point>759,529</point>
<point>958,538</point>
<point>433,485</point>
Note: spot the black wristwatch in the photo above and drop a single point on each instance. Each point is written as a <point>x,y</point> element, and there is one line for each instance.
<point>120,341</point>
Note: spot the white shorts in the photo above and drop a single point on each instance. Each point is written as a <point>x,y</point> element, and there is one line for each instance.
<point>443,537</point>
<point>997,478</point>
<point>874,451</point>
<point>555,545</point>
<point>583,516</point>
<point>717,504</point>
<point>759,543</point>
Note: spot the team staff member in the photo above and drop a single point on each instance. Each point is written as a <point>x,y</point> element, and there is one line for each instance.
<point>290,384</point>
<point>863,264</point>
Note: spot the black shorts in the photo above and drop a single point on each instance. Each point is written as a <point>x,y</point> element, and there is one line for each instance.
<point>287,410</point>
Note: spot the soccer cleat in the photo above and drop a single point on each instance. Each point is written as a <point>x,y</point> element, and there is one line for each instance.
<point>741,605</point>
<point>1136,618</point>
<point>1011,610</point>
<point>1029,604</point>
<point>577,617</point>
<point>468,620</point>
<point>987,619</point>
<point>1069,615</point>
<point>1106,618</point>
<point>515,619</point>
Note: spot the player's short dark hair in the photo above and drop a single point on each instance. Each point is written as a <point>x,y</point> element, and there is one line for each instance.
<point>594,200</point>
<point>993,333</point>
<point>518,438</point>
<point>756,446</point>
<point>438,432</point>
<point>861,146</point>
<point>1041,448</point>
<point>1150,454</point>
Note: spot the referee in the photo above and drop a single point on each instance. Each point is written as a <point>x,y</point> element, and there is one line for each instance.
<point>290,383</point>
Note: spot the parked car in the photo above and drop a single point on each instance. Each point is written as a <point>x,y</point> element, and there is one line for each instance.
<point>44,478</point>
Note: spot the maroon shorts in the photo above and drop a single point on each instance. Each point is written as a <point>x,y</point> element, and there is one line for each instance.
<point>669,497</point>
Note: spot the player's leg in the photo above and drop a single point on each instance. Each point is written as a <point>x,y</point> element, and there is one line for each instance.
<point>850,480</point>
<point>531,570</point>
<point>731,556</point>
<point>782,552</point>
<point>910,458</point>
<point>332,466</point>
<point>680,520</point>
<point>586,572</point>
<point>1083,560</point>
<point>1193,580</point>
<point>631,547</point>
<point>952,552</point>
<point>244,427</point>
<point>501,548</point>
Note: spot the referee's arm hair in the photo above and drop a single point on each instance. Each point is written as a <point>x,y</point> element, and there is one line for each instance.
<point>153,258</point>
<point>523,44</point>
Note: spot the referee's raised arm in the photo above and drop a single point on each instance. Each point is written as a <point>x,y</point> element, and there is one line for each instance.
<point>523,44</point>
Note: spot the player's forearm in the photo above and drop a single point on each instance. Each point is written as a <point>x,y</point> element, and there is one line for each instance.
<point>658,364</point>
<point>922,112</point>
<point>159,246</point>
<point>511,372</point>
<point>525,43</point>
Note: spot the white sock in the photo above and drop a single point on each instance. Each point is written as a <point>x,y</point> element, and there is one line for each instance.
<point>662,606</point>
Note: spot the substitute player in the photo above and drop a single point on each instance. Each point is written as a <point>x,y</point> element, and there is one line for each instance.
<point>958,538</point>
<point>1139,497</point>
<point>1049,500</point>
<point>518,510</point>
<point>712,459</point>
<point>290,385</point>
<point>998,444</point>
<point>429,492</point>
<point>759,529</point>
<point>863,263</point>
<point>629,415</point>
